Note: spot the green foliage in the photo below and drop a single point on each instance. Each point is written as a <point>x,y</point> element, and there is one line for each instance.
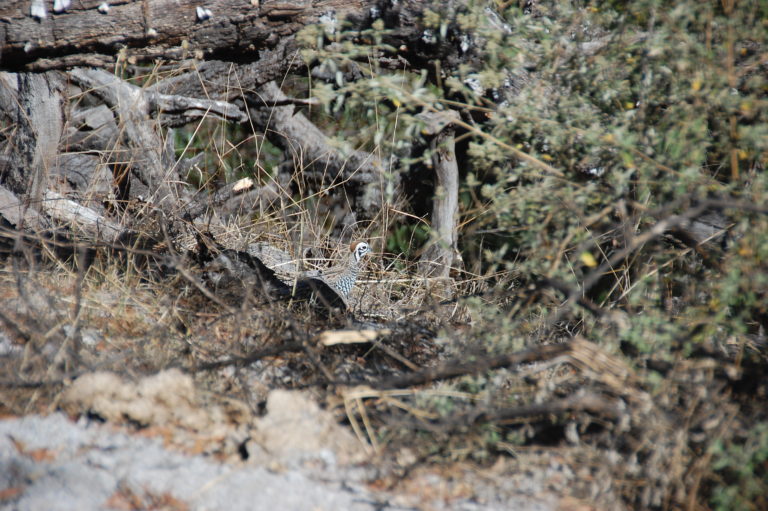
<point>377,108</point>
<point>649,105</point>
<point>592,123</point>
<point>741,470</point>
<point>230,153</point>
<point>404,237</point>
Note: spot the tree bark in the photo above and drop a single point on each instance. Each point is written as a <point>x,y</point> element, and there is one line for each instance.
<point>35,141</point>
<point>149,30</point>
<point>438,258</point>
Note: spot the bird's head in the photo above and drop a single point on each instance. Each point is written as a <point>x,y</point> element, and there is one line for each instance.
<point>359,249</point>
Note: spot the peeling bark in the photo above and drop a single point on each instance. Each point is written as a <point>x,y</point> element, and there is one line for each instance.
<point>438,258</point>
<point>35,141</point>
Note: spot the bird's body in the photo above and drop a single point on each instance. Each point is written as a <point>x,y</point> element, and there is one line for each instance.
<point>234,275</point>
<point>331,288</point>
<point>343,277</point>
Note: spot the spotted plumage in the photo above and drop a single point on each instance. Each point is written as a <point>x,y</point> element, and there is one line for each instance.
<point>327,290</point>
<point>344,277</point>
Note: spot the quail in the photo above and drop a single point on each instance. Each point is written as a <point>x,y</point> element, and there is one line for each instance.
<point>330,289</point>
<point>343,277</point>
<point>234,275</point>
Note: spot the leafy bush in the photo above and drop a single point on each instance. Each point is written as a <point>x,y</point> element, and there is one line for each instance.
<point>600,142</point>
<point>741,470</point>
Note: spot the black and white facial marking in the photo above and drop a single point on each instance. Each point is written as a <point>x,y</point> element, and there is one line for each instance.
<point>360,249</point>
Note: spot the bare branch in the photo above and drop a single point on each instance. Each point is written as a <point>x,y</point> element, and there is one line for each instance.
<point>139,132</point>
<point>294,130</point>
<point>18,213</point>
<point>176,111</point>
<point>94,224</point>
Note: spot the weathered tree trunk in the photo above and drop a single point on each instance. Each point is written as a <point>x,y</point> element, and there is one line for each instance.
<point>139,132</point>
<point>133,32</point>
<point>35,140</point>
<point>438,258</point>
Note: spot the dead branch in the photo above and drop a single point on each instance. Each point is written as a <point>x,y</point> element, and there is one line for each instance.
<point>19,214</point>
<point>73,214</point>
<point>139,132</point>
<point>295,133</point>
<point>455,368</point>
<point>131,33</point>
<point>145,31</point>
<point>174,110</point>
